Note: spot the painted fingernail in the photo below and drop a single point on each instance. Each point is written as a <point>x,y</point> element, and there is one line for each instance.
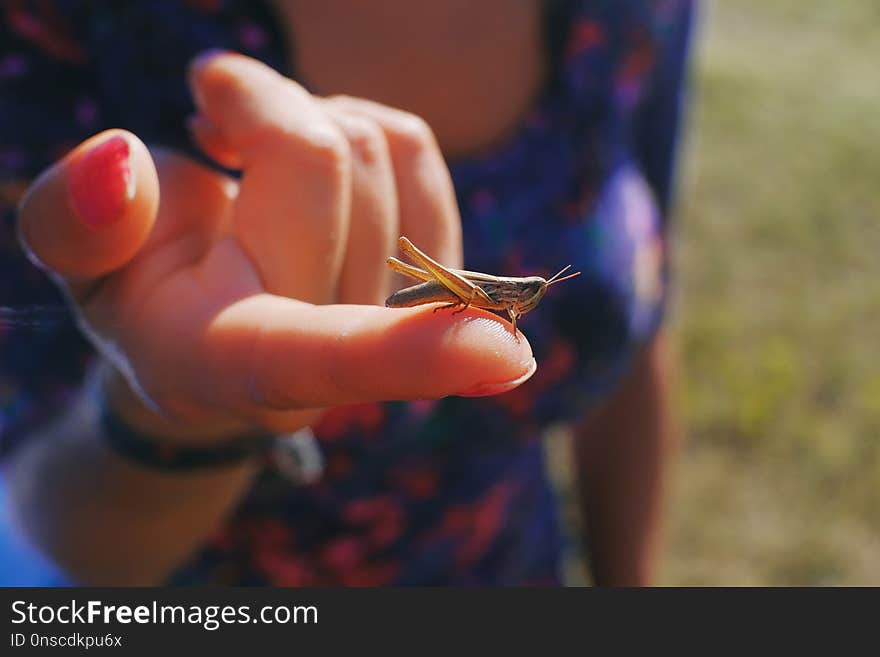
<point>102,183</point>
<point>487,389</point>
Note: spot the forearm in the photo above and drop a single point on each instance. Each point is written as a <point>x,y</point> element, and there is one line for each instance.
<point>623,451</point>
<point>103,519</point>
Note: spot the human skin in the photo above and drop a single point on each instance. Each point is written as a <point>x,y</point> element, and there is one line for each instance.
<point>248,306</point>
<point>622,452</point>
<point>229,307</point>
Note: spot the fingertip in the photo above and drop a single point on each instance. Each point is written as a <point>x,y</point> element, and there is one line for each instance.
<point>244,98</point>
<point>415,353</point>
<point>109,178</point>
<point>88,214</point>
<point>213,142</point>
<point>102,181</point>
<point>200,61</point>
<point>196,71</point>
<point>486,351</point>
<point>487,389</point>
<point>216,76</point>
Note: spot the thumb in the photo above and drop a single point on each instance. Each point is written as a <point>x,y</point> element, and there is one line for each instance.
<point>89,213</point>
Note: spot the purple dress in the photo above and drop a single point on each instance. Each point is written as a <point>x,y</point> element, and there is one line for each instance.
<point>452,491</point>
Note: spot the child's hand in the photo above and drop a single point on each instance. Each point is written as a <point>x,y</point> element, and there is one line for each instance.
<point>228,305</point>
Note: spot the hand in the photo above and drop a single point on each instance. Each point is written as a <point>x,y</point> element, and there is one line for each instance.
<point>234,305</point>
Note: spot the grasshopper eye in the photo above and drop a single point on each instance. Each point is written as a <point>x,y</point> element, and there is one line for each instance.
<point>531,293</point>
<point>535,290</point>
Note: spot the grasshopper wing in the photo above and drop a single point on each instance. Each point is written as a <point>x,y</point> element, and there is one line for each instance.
<point>454,282</point>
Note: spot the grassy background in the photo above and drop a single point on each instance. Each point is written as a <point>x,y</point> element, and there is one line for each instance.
<point>777,318</point>
<point>777,310</point>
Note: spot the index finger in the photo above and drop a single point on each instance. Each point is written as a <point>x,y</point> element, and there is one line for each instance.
<point>284,354</point>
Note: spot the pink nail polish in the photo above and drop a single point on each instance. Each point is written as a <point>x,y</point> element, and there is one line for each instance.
<point>102,183</point>
<point>487,389</point>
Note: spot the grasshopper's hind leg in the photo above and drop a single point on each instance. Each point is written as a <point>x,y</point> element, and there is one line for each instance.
<point>467,303</point>
<point>458,302</point>
<point>454,304</point>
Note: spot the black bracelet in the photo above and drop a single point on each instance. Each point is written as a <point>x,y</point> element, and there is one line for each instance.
<point>146,450</point>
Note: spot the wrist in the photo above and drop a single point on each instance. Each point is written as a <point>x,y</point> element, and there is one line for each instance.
<point>142,436</point>
<point>127,406</point>
<point>138,433</point>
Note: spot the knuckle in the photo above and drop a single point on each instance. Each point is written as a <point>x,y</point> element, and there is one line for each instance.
<point>320,143</point>
<point>324,148</point>
<point>366,139</point>
<point>324,142</point>
<point>413,135</point>
<point>319,150</point>
<point>342,101</point>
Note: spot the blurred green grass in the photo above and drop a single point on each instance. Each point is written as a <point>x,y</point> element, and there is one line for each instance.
<point>777,313</point>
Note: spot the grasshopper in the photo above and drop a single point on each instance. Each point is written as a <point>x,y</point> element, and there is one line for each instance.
<point>466,288</point>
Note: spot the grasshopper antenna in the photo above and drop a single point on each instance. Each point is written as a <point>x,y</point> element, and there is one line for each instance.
<point>556,279</point>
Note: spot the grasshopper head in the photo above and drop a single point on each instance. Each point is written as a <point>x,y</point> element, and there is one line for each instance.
<point>531,292</point>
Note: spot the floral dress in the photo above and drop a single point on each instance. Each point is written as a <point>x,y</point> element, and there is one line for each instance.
<point>452,491</point>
